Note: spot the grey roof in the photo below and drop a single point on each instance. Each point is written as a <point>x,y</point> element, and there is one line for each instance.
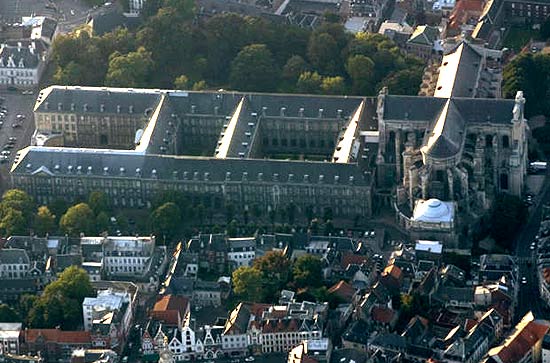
<point>105,22</point>
<point>240,243</point>
<point>449,142</point>
<point>56,161</point>
<point>64,261</point>
<point>424,35</point>
<point>48,27</point>
<point>87,99</point>
<point>13,256</point>
<point>29,57</point>
<point>426,109</point>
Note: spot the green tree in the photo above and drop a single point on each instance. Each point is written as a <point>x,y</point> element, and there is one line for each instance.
<point>333,86</point>
<point>275,268</point>
<point>61,302</point>
<point>200,86</point>
<point>404,82</point>
<point>253,69</point>
<point>181,82</point>
<point>129,70</point>
<point>323,53</point>
<point>44,221</point>
<point>102,222</point>
<point>12,222</point>
<point>99,202</point>
<point>78,219</point>
<point>8,315</point>
<point>247,283</point>
<point>307,271</point>
<point>19,200</point>
<point>309,82</point>
<point>361,72</point>
<point>293,68</point>
<point>165,220</point>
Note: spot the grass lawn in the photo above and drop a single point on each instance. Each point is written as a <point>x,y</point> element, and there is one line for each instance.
<point>517,37</point>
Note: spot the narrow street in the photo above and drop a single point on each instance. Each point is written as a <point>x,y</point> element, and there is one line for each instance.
<point>528,297</point>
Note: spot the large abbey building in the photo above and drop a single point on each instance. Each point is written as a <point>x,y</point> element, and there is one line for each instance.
<point>438,161</point>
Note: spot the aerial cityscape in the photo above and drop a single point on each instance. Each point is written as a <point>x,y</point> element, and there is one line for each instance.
<point>278,181</point>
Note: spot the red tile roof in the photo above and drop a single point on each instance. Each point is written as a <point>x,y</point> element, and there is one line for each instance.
<point>170,309</point>
<point>382,315</point>
<point>524,337</point>
<point>343,290</point>
<point>393,271</point>
<point>58,336</point>
<point>352,259</point>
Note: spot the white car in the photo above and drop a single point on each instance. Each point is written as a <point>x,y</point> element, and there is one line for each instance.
<point>249,359</point>
<point>533,246</point>
<point>524,280</point>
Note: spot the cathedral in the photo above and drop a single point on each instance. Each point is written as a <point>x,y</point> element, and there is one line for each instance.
<point>446,159</point>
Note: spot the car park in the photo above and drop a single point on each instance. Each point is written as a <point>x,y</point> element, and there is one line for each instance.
<point>6,152</point>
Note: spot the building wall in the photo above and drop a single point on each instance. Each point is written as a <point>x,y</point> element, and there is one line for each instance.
<point>343,199</point>
<point>14,271</point>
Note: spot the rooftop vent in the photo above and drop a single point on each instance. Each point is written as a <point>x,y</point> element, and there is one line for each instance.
<point>228,176</point>
<point>339,113</point>
<point>122,170</point>
<point>138,172</point>
<point>175,175</point>
<point>196,175</point>
<point>260,176</point>
<point>207,176</point>
<point>89,170</point>
<point>185,175</point>
<point>106,170</point>
<point>283,109</point>
<point>245,176</point>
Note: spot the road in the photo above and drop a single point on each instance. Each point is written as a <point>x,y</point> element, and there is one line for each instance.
<point>528,297</point>
<point>16,103</point>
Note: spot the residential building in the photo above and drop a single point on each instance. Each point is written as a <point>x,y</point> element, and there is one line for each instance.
<point>545,349</point>
<point>14,263</point>
<point>311,351</point>
<point>523,344</point>
<point>10,336</point>
<point>424,42</point>
<point>172,311</point>
<point>54,345</point>
<point>127,256</point>
<point>108,301</point>
<point>241,251</point>
<point>22,63</point>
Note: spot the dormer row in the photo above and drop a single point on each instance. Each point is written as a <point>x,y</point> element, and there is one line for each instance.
<point>86,108</point>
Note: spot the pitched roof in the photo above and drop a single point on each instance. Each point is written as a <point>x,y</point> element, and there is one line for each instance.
<point>343,290</point>
<point>526,334</point>
<point>382,314</point>
<point>170,309</point>
<point>58,336</point>
<point>393,271</point>
<point>352,259</point>
<point>424,35</point>
<point>14,256</point>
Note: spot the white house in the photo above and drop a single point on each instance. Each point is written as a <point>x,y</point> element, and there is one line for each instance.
<point>242,251</point>
<point>9,338</point>
<point>22,62</point>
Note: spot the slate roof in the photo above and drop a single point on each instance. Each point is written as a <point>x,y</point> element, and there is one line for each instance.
<point>56,161</point>
<point>424,35</point>
<point>29,58</point>
<point>13,256</point>
<point>448,133</point>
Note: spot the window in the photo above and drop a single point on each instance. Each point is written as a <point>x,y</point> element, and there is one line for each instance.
<point>504,181</point>
<point>505,141</point>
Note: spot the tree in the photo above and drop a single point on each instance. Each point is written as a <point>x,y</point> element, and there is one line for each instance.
<point>323,53</point>
<point>44,221</point>
<point>361,72</point>
<point>309,82</point>
<point>275,268</point>
<point>307,271</point>
<point>404,82</point>
<point>507,217</point>
<point>99,202</point>
<point>129,70</point>
<point>181,82</point>
<point>102,222</point>
<point>166,219</point>
<point>8,315</point>
<point>247,283</point>
<point>12,222</point>
<point>333,86</point>
<point>19,200</point>
<point>253,69</point>
<point>61,302</point>
<point>78,219</point>
<point>200,86</point>
<point>293,68</point>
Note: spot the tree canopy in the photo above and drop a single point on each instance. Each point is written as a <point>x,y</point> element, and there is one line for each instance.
<point>78,219</point>
<point>61,303</point>
<point>247,283</point>
<point>233,51</point>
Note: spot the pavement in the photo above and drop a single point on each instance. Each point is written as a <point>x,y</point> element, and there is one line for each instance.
<point>529,297</point>
<point>16,103</point>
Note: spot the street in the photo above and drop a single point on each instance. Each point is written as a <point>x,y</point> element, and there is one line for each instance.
<point>528,297</point>
<point>16,103</point>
